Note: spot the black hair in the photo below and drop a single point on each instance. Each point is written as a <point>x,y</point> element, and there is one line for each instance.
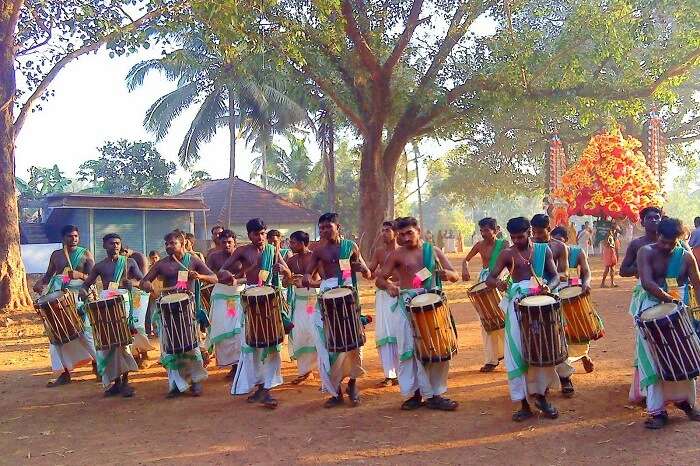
<point>153,253</point>
<point>696,221</point>
<point>175,234</point>
<point>110,236</point>
<point>273,233</point>
<point>330,217</point>
<point>301,236</point>
<point>518,225</point>
<point>190,236</point>
<point>227,234</point>
<point>540,221</point>
<point>647,210</point>
<point>488,222</point>
<point>670,228</point>
<point>216,227</point>
<point>390,224</point>
<point>405,222</point>
<point>561,232</point>
<point>254,225</point>
<point>69,229</point>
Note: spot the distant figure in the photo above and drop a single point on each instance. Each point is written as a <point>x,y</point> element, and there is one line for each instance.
<point>584,238</point>
<point>460,242</point>
<point>610,251</point>
<point>571,232</point>
<point>440,240</point>
<point>694,240</point>
<point>429,237</point>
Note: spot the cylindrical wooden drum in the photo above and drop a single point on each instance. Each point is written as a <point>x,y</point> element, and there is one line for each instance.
<point>263,318</point>
<point>673,341</point>
<point>108,318</point>
<point>434,335</point>
<point>180,333</point>
<point>59,313</point>
<point>583,323</point>
<point>341,320</point>
<point>542,330</point>
<point>486,302</point>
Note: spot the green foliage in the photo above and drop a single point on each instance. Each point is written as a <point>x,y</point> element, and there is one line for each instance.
<point>198,177</point>
<point>683,201</point>
<point>126,167</point>
<point>42,182</point>
<point>288,172</point>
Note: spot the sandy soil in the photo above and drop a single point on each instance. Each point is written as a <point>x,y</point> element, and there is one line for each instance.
<point>76,425</point>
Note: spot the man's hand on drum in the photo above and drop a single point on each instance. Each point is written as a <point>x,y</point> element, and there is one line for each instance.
<point>83,294</point>
<point>76,275</point>
<point>393,290</point>
<point>586,287</point>
<point>502,285</point>
<point>38,287</point>
<point>193,275</point>
<point>465,272</point>
<point>146,286</point>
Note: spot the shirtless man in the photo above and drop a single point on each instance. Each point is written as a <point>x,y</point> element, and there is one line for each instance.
<point>416,265</point>
<point>255,264</point>
<point>521,259</point>
<point>650,218</point>
<point>386,312</point>
<point>336,260</point>
<point>116,272</point>
<point>137,257</point>
<point>541,234</point>
<point>185,370</point>
<point>489,248</point>
<point>215,232</point>
<point>218,256</point>
<point>302,338</point>
<point>658,263</point>
<point>67,269</point>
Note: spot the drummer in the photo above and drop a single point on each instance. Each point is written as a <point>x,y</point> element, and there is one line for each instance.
<point>254,264</point>
<point>224,334</point>
<point>489,248</point>
<point>541,230</point>
<point>388,320</point>
<point>527,263</point>
<point>116,272</point>
<point>657,264</point>
<point>414,264</point>
<point>215,232</point>
<point>336,260</point>
<point>650,218</point>
<point>186,370</point>
<point>302,338</point>
<point>274,237</point>
<point>67,269</point>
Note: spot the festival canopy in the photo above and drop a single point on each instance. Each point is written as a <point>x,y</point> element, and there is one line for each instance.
<point>611,179</point>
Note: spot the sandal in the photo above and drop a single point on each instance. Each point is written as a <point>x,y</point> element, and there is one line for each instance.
<point>588,365</point>
<point>126,390</point>
<point>257,396</point>
<point>113,390</point>
<point>63,379</point>
<point>692,413</point>
<point>547,408</point>
<point>231,373</point>
<point>415,402</point>
<point>269,402</point>
<point>656,422</point>
<point>387,382</point>
<point>196,389</point>
<point>333,401</point>
<point>488,368</point>
<point>353,394</point>
<point>301,378</point>
<point>442,404</point>
<point>174,393</point>
<point>522,415</point>
<point>567,388</point>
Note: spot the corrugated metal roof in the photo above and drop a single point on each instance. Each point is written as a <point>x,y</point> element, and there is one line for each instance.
<point>104,201</point>
<point>248,201</point>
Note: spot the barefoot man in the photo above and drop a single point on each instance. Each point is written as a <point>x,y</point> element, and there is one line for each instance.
<point>67,269</point>
<point>180,269</point>
<point>336,260</point>
<point>418,266</point>
<point>223,336</point>
<point>527,263</point>
<point>302,300</point>
<point>258,368</point>
<point>489,248</point>
<point>658,264</point>
<point>119,275</point>
<point>388,319</point>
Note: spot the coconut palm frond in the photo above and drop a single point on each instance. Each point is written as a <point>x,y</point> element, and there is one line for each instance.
<point>203,127</point>
<point>161,114</point>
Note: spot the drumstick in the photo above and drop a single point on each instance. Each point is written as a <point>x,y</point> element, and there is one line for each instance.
<point>65,253</point>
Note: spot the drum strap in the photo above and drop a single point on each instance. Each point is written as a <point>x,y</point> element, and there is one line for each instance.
<point>76,256</point>
<point>497,248</point>
<point>266,263</point>
<point>539,255</point>
<point>429,263</point>
<point>119,269</point>
<point>674,265</point>
<point>201,315</point>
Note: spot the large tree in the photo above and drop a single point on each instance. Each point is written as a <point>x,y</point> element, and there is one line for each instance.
<point>38,38</point>
<point>403,69</point>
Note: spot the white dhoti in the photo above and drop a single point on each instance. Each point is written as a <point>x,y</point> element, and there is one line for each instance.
<point>577,351</point>
<point>224,335</point>
<point>523,380</point>
<point>80,351</point>
<point>334,367</point>
<point>114,363</point>
<point>139,309</point>
<point>302,338</point>
<point>646,380</point>
<point>492,341</point>
<point>429,378</point>
<point>388,319</point>
<point>183,369</point>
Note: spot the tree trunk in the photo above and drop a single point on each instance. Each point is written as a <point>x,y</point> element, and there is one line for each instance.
<point>14,292</point>
<point>374,198</point>
<point>330,168</point>
<point>232,134</point>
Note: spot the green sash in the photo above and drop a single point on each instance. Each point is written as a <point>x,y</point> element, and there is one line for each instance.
<point>266,262</point>
<point>119,269</point>
<point>539,254</point>
<point>76,256</point>
<point>574,253</point>
<point>675,264</point>
<point>497,248</point>
<point>433,281</point>
<point>202,317</point>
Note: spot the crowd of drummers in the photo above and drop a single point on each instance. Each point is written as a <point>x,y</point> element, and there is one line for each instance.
<point>238,303</point>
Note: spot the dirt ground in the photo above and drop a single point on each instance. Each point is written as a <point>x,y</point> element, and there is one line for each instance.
<point>76,425</point>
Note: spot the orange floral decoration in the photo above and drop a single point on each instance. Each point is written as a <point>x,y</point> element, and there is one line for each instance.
<point>611,179</point>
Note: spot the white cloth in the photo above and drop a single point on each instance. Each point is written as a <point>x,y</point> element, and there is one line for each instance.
<point>522,380</point>
<point>138,314</point>
<point>302,338</point>
<point>334,367</point>
<point>114,363</point>
<point>577,351</point>
<point>493,345</point>
<point>430,378</point>
<point>75,353</point>
<point>224,335</point>
<point>183,369</point>
<point>388,319</point>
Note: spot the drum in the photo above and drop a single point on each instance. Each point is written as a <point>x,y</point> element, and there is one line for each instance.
<point>675,345</point>
<point>542,330</point>
<point>179,327</point>
<point>486,302</point>
<point>108,318</point>
<point>434,334</point>
<point>341,320</point>
<point>583,323</point>
<point>59,313</point>
<point>263,318</point>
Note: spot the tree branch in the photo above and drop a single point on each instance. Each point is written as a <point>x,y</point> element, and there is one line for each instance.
<point>367,57</point>
<point>412,22</point>
<point>91,47</point>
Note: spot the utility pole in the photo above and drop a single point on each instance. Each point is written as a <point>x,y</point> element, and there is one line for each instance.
<point>417,156</point>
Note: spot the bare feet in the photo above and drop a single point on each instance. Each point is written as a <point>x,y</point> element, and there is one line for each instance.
<point>353,393</point>
<point>257,396</point>
<point>488,368</point>
<point>127,390</point>
<point>62,379</point>
<point>196,389</point>
<point>301,378</point>
<point>587,364</point>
